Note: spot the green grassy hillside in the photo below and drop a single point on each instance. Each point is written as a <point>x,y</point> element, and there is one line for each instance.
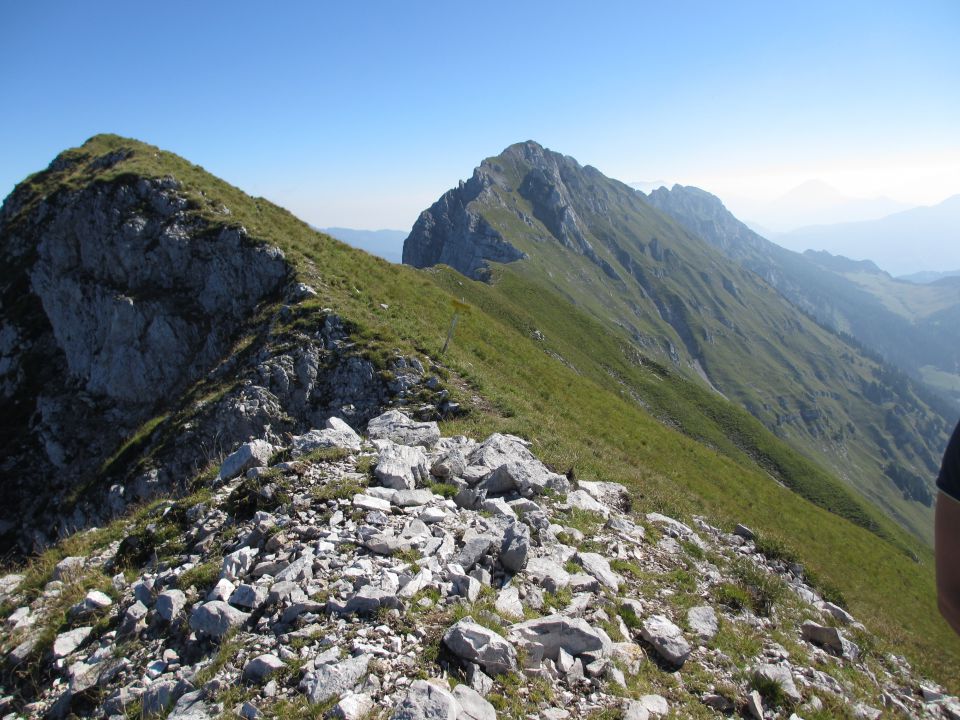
<point>684,304</point>
<point>586,397</point>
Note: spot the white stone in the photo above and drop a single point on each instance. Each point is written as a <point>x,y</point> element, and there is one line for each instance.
<point>666,638</point>
<point>256,453</point>
<point>475,643</point>
<point>261,667</point>
<point>69,641</point>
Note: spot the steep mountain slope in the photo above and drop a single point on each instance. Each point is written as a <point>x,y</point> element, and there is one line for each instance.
<point>127,284</point>
<point>523,360</point>
<point>598,243</point>
<point>913,327</point>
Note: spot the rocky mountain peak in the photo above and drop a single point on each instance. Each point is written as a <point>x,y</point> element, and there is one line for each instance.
<point>707,217</point>
<point>455,232</point>
<point>128,281</point>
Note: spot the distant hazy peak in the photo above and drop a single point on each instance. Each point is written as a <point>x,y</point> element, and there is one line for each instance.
<point>706,216</point>
<point>925,277</point>
<point>841,263</point>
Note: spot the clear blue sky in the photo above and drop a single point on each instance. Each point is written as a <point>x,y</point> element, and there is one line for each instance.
<point>361,114</point>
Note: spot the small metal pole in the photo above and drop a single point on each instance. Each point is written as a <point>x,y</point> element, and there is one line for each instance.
<point>453,326</point>
<point>458,307</point>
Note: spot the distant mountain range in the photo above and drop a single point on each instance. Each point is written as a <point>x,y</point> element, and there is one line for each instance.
<point>920,239</point>
<point>813,202</point>
<point>914,326</point>
<point>387,244</point>
<point>929,276</point>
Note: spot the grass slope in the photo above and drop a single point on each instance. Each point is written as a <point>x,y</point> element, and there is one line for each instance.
<point>580,395</point>
<point>680,299</point>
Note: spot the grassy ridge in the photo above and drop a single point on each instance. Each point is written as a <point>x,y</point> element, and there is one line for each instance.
<point>579,395</point>
<point>681,300</point>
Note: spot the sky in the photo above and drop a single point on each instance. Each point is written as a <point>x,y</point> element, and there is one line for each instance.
<point>362,114</point>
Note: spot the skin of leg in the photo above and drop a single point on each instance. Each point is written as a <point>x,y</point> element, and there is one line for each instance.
<point>947,549</point>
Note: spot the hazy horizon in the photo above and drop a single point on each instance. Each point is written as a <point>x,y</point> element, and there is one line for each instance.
<point>348,117</point>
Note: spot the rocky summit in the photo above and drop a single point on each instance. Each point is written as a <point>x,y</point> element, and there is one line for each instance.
<point>126,295</point>
<point>468,581</point>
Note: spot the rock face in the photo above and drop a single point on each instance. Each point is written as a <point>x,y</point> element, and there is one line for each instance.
<point>452,233</point>
<point>117,290</point>
<point>119,293</point>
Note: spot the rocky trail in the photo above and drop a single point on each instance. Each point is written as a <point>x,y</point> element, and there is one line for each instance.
<point>408,575</point>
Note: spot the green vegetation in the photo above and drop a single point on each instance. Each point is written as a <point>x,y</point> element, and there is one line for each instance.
<point>201,576</point>
<point>444,489</point>
<point>588,399</point>
<point>509,702</point>
<point>328,454</point>
<point>764,589</point>
<point>339,490</point>
<point>733,596</point>
<point>771,692</point>
<point>629,617</point>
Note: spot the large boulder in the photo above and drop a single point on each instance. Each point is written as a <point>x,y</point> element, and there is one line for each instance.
<point>449,465</point>
<point>256,453</point>
<point>530,477</point>
<point>395,426</point>
<point>368,600</point>
<point>612,494</point>
<point>515,547</point>
<point>66,642</point>
<point>473,706</point>
<point>169,604</point>
<point>475,643</point>
<point>547,574</point>
<point>557,632</point>
<point>336,434</point>
<point>702,621</point>
<point>400,467</point>
<point>475,546</point>
<point>599,567</point>
<point>780,676</point>
<point>499,449</point>
<point>830,638</point>
<point>238,563</point>
<point>667,639</point>
<point>427,701</point>
<point>261,668</point>
<point>216,618</point>
<point>582,500</point>
<point>330,681</point>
